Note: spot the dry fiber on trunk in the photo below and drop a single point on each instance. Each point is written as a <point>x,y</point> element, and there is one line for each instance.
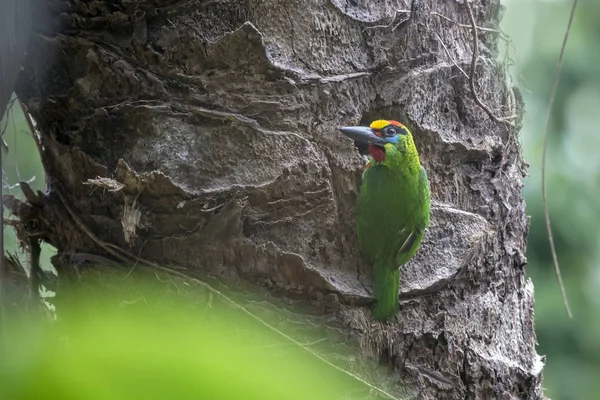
<point>204,134</point>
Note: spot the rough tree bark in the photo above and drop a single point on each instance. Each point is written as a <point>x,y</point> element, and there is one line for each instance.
<point>204,134</point>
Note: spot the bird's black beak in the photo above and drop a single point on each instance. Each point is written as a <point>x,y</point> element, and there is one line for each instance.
<point>362,135</point>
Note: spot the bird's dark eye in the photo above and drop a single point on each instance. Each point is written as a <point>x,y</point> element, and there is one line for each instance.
<point>393,130</point>
<point>390,131</point>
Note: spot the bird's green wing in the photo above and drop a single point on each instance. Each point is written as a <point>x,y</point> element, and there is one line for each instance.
<point>409,239</point>
<point>425,194</point>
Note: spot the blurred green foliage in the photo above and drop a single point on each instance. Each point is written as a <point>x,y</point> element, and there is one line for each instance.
<point>536,29</point>
<point>123,336</point>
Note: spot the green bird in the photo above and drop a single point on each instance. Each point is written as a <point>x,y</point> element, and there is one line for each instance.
<point>392,210</point>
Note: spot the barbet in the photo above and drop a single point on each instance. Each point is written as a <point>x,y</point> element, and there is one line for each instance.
<point>392,210</point>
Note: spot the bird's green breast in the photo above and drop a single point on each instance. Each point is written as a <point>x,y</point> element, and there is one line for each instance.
<point>391,198</point>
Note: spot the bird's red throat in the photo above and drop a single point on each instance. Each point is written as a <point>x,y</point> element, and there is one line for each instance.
<point>377,152</point>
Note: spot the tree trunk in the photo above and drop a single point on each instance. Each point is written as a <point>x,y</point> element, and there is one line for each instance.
<point>205,135</point>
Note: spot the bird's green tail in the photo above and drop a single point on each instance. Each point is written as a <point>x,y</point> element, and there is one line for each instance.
<point>386,287</point>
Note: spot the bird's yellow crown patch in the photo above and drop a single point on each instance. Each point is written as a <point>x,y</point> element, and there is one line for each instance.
<point>379,124</point>
<point>382,123</point>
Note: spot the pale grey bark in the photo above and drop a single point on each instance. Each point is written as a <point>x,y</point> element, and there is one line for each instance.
<point>216,124</point>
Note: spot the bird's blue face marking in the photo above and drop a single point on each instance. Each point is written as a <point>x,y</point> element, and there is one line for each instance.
<point>393,139</point>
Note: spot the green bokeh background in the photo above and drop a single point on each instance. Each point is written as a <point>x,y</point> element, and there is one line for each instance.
<point>536,29</point>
